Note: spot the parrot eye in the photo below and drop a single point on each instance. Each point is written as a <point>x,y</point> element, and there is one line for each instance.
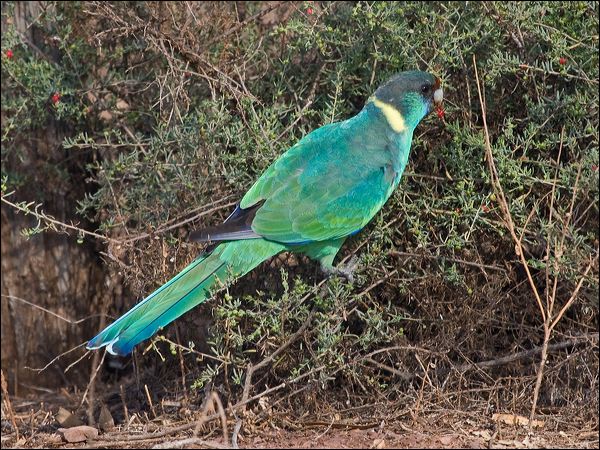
<point>425,88</point>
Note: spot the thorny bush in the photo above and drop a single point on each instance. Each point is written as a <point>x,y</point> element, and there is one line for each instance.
<point>177,105</point>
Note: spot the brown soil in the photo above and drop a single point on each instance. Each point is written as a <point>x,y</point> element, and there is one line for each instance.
<point>35,419</point>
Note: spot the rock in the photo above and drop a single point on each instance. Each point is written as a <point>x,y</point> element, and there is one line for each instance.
<point>105,421</point>
<point>66,419</point>
<point>78,434</point>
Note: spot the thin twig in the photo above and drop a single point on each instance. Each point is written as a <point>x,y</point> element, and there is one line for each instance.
<point>124,403</point>
<point>150,400</point>
<point>41,308</point>
<point>251,369</point>
<point>178,224</point>
<point>456,260</point>
<point>551,72</point>
<point>497,186</point>
<point>574,294</point>
<point>77,360</point>
<point>211,401</point>
<point>8,405</point>
<point>463,368</point>
<point>189,441</point>
<point>95,369</point>
<point>240,25</point>
<point>50,220</point>
<point>56,358</point>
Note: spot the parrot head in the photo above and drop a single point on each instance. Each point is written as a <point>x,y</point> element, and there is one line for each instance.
<point>408,97</point>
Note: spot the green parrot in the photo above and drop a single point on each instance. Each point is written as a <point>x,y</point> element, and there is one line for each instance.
<point>325,188</point>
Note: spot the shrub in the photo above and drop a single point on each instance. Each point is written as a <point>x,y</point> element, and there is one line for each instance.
<point>174,106</point>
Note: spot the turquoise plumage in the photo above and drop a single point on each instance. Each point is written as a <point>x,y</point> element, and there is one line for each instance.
<point>325,188</point>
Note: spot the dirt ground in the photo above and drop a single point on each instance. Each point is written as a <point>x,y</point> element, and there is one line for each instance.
<point>37,422</point>
<point>400,436</point>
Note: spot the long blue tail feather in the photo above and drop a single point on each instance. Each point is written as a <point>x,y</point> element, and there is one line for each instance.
<point>186,290</point>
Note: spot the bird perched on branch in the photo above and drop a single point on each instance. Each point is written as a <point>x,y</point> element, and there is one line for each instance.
<point>324,189</point>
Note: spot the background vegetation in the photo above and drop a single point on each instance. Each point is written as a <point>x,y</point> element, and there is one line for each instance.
<point>169,111</point>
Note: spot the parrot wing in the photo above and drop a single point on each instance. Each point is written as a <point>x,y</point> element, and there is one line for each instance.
<point>327,186</point>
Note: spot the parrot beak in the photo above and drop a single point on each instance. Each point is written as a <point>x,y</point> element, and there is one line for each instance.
<point>438,93</point>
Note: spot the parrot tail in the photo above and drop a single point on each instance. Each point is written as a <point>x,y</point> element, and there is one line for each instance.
<point>184,291</point>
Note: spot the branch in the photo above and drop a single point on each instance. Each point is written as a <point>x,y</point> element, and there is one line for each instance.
<point>497,186</point>
<point>571,342</point>
<point>52,222</point>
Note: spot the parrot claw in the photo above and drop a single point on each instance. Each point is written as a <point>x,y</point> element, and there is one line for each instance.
<point>346,270</point>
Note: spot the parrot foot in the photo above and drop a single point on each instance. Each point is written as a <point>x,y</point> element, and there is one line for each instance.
<point>346,270</point>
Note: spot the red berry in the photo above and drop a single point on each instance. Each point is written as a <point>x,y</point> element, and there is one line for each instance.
<point>56,98</point>
<point>595,167</point>
<point>9,54</point>
<point>310,11</point>
<point>562,61</point>
<point>440,112</point>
